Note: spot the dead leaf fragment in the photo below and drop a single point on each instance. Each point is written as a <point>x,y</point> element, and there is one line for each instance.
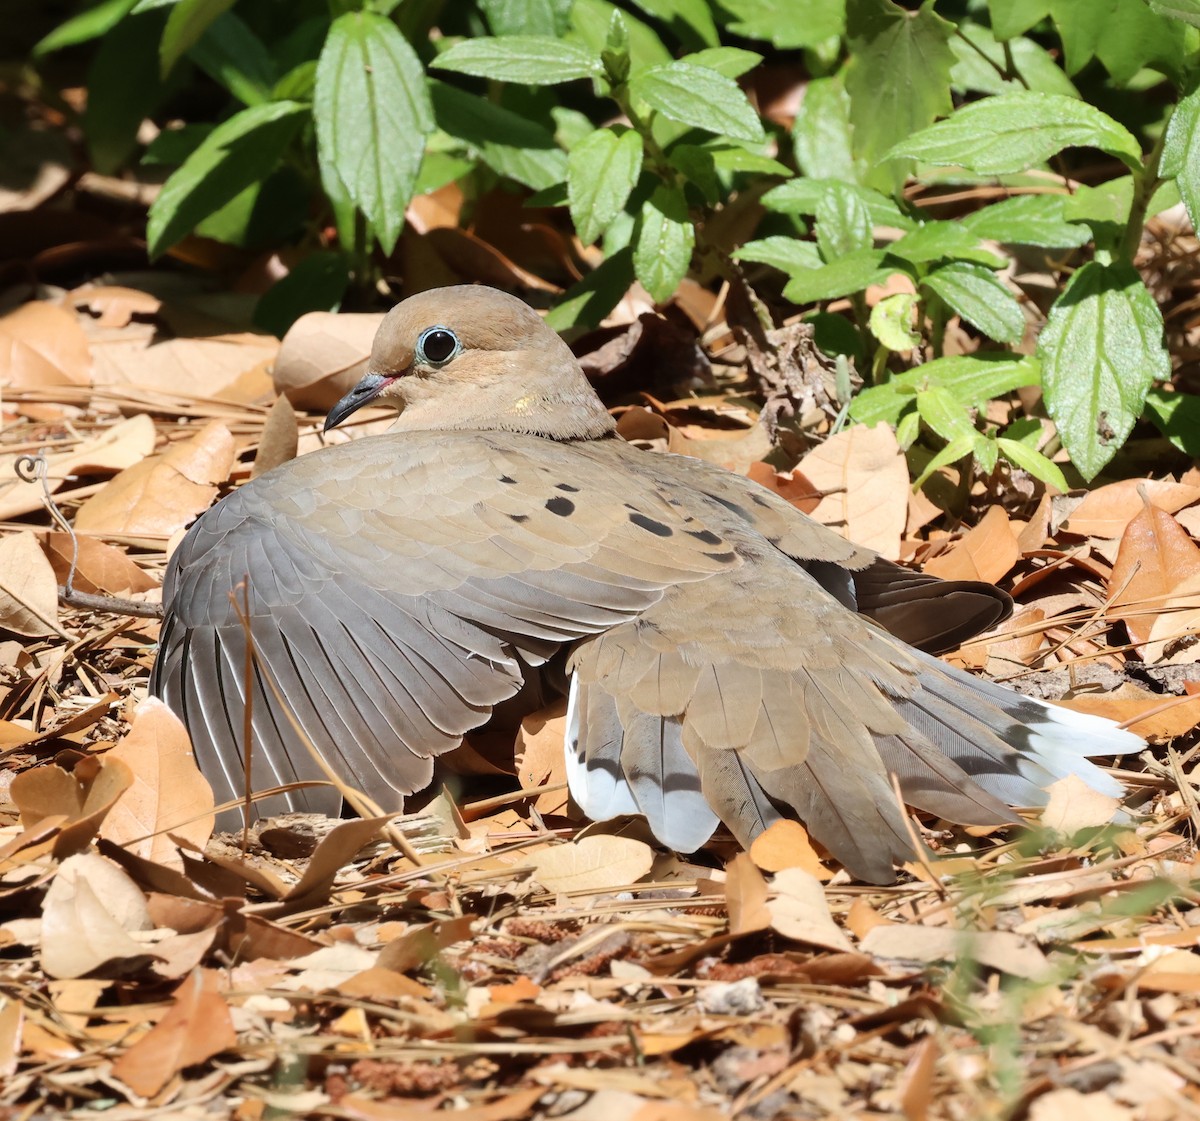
<point>746,896</point>
<point>1152,716</point>
<point>986,552</point>
<point>1106,511</point>
<point>42,345</point>
<point>84,797</point>
<point>786,844</point>
<point>799,911</point>
<point>322,357</point>
<point>280,438</point>
<point>593,862</point>
<point>1074,805</point>
<point>198,1026</point>
<point>168,794</point>
<point>1001,950</point>
<point>28,589</point>
<point>99,567</point>
<point>539,756</point>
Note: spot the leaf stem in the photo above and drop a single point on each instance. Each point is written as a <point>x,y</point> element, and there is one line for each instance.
<point>1145,183</point>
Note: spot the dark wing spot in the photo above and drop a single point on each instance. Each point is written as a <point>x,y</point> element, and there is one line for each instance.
<point>506,479</point>
<point>705,535</point>
<point>724,558</point>
<point>567,487</point>
<point>519,517</point>
<point>657,528</point>
<point>560,506</point>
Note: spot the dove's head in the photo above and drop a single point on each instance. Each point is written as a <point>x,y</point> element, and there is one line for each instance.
<point>474,357</point>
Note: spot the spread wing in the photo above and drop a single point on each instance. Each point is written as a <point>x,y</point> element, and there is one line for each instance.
<point>398,587</point>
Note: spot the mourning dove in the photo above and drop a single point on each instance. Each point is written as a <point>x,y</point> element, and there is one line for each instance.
<point>725,657</point>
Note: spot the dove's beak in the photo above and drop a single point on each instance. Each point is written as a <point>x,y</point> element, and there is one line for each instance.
<point>370,387</point>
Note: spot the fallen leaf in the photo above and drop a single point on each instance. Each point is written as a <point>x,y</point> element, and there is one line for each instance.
<point>1067,1102</point>
<point>863,476</point>
<point>168,793</point>
<point>280,438</point>
<point>799,911</point>
<point>28,589</point>
<point>43,345</point>
<point>986,552</point>
<point>85,797</point>
<point>197,1026</point>
<point>791,486</point>
<point>1073,805</point>
<point>113,305</point>
<point>786,844</point>
<point>12,1019</point>
<point>745,896</point>
<point>593,862</point>
<point>539,756</point>
<point>99,567</point>
<point>322,357</point>
<point>191,367</point>
<point>1106,511</point>
<point>996,949</point>
<point>336,849</point>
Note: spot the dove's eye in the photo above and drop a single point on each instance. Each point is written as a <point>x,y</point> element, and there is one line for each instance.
<point>437,345</point>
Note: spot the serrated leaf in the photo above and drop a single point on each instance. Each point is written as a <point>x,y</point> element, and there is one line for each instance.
<point>891,322</point>
<point>508,143</point>
<point>1181,153</point>
<point>936,241</point>
<point>1125,35</point>
<point>787,24</point>
<point>733,158</point>
<point>843,224</point>
<point>592,19</point>
<point>1028,220</point>
<point>88,25</point>
<point>1101,349</point>
<point>696,96</point>
<point>188,21</point>
<point>980,297</point>
<point>1017,131</point>
<point>1011,18</point>
<point>239,152</point>
<point>987,66</point>
<point>898,79</point>
<point>1188,11</point>
<point>852,273</point>
<point>821,132</point>
<point>534,60</point>
<point>789,254</point>
<point>373,114</point>
<point>1031,460</point>
<point>601,172</point>
<point>665,241</point>
<point>802,196</point>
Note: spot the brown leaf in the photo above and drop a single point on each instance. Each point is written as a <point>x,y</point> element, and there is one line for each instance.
<point>593,862</point>
<point>917,1092</point>
<point>43,345</point>
<point>1001,950</point>
<point>168,793</point>
<point>1162,720</point>
<point>12,1019</point>
<point>84,797</point>
<point>791,486</point>
<point>280,438</point>
<point>336,849</point>
<point>163,493</point>
<point>786,844</point>
<point>87,916</point>
<point>322,357</point>
<point>1106,511</point>
<point>198,1026</point>
<point>799,911</point>
<point>113,305</point>
<point>1074,805</point>
<point>28,589</point>
<point>745,896</point>
<point>99,567</point>
<point>986,552</point>
<point>864,477</point>
<point>216,366</point>
<point>539,756</point>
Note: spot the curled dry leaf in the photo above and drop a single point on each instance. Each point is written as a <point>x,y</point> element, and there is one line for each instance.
<point>799,911</point>
<point>594,862</point>
<point>863,476</point>
<point>165,492</point>
<point>84,797</point>
<point>539,753</point>
<point>41,345</point>
<point>792,486</point>
<point>322,356</point>
<point>1106,511</point>
<point>745,896</point>
<point>28,588</point>
<point>280,438</point>
<point>89,911</point>
<point>786,844</point>
<point>168,793</point>
<point>197,1026</point>
<point>986,552</point>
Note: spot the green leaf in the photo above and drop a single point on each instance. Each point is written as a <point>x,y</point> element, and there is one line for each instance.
<point>534,60</point>
<point>733,62</point>
<point>1188,11</point>
<point>265,214</point>
<point>1181,153</point>
<point>230,53</point>
<point>589,301</point>
<point>697,96</point>
<point>510,144</point>
<point>316,284</point>
<point>730,157</point>
<point>1011,18</point>
<point>945,414</point>
<point>373,114</point>
<point>1177,416</point>
<point>601,173</point>
<point>527,17</point>
<point>802,196</point>
<point>1123,34</point>
<point>821,133</point>
<point>843,224</point>
<point>663,251</point>
<point>789,254</point>
<point>980,297</point>
<point>951,453</point>
<point>592,19</point>
<point>987,66</point>
<point>124,88</point>
<point>236,154</point>
<point>1017,131</point>
<point>852,273</point>
<point>788,24</point>
<point>891,322</point>
<point>88,25</point>
<point>1101,349</point>
<point>898,79</point>
<point>188,21</point>
<point>936,241</point>
<point>1028,220</point>
<point>1031,460</point>
<point>690,20</point>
